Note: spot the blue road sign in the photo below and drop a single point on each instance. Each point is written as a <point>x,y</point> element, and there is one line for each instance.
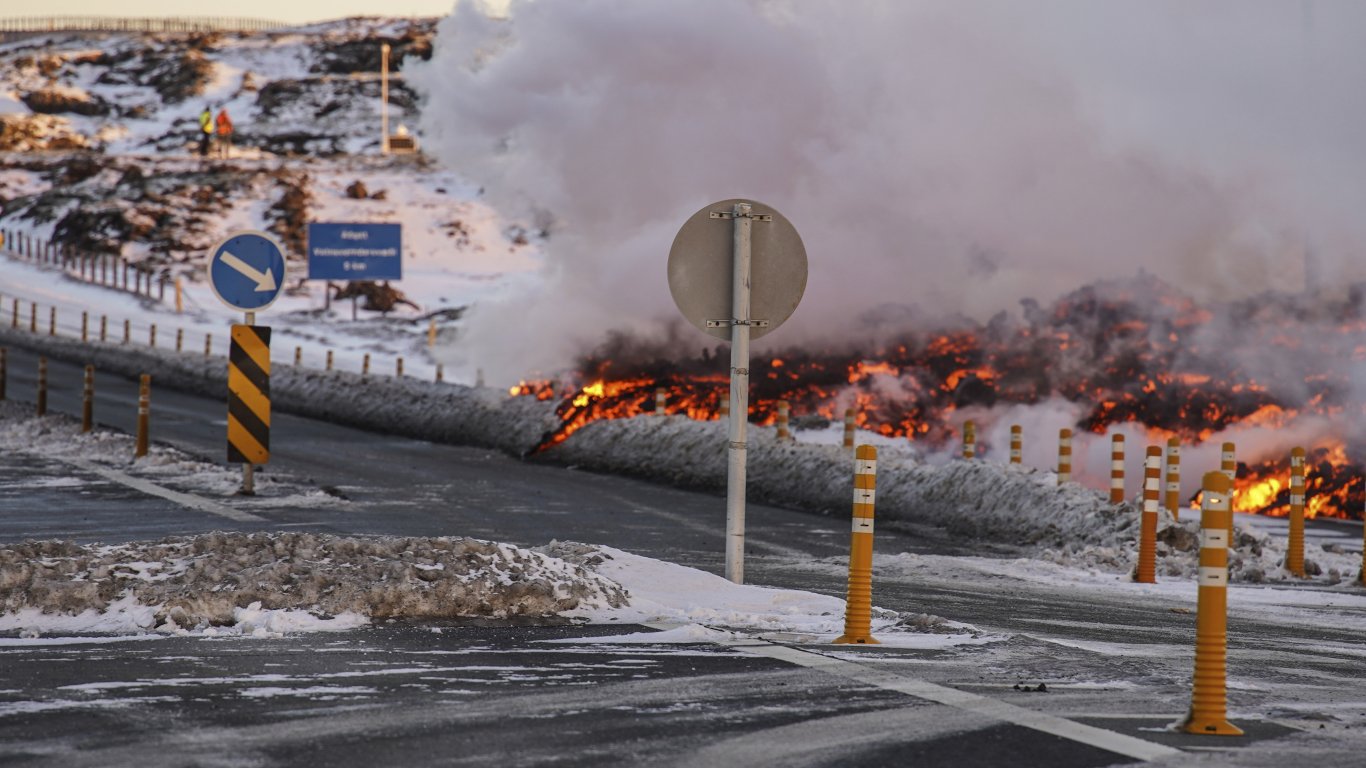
<point>247,270</point>
<point>355,252</point>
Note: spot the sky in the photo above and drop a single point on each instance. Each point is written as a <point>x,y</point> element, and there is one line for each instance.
<point>299,10</point>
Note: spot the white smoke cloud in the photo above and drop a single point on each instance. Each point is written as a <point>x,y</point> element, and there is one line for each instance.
<point>955,156</point>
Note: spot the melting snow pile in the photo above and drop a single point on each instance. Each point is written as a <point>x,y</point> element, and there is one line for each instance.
<point>284,581</point>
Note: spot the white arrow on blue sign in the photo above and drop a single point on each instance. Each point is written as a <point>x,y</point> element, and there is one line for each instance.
<point>247,270</point>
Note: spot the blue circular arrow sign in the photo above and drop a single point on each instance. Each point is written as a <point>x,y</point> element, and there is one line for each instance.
<point>247,270</point>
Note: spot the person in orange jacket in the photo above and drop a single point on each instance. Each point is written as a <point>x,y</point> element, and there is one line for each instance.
<point>224,132</point>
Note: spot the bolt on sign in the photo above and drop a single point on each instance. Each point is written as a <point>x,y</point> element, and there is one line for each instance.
<point>249,395</point>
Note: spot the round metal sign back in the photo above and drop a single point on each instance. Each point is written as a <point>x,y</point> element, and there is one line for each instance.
<point>701,271</point>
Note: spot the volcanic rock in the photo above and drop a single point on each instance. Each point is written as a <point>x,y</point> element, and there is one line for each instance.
<point>55,101</point>
<point>357,190</point>
<point>379,297</point>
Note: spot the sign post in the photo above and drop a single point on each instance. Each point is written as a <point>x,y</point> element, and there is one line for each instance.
<point>246,272</point>
<point>737,283</point>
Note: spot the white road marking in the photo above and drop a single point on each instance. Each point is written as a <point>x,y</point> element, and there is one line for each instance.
<point>183,499</point>
<point>1110,741</point>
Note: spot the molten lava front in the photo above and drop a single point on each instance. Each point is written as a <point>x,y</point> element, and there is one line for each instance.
<point>1135,352</point>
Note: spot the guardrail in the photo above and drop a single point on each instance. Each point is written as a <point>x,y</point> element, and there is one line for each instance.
<point>129,24</point>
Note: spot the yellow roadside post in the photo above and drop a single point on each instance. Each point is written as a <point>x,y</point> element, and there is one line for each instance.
<point>88,400</point>
<point>1064,456</point>
<point>104,328</point>
<point>144,414</point>
<point>783,412</point>
<point>365,365</point>
<point>1117,469</point>
<point>1228,464</point>
<point>661,400</point>
<point>431,333</point>
<point>33,318</point>
<point>179,301</point>
<point>52,321</point>
<point>152,336</point>
<point>85,326</point>
<point>1294,556</point>
<point>329,359</point>
<point>14,320</point>
<point>849,428</point>
<point>179,339</point>
<point>723,412</point>
<point>127,331</point>
<point>298,356</point>
<point>1147,537</point>
<point>1174,477</point>
<point>969,439</point>
<point>1016,444</point>
<point>858,612</point>
<point>1209,695</point>
<point>208,344</point>
<point>440,373</point>
<point>398,368</point>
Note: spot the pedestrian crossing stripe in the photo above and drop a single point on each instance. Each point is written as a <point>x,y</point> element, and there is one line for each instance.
<point>249,395</point>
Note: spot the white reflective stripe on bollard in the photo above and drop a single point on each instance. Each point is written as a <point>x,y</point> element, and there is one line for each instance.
<point>865,467</point>
<point>864,495</point>
<point>863,525</point>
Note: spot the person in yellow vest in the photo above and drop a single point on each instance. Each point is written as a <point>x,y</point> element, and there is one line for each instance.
<point>205,130</point>
<point>224,132</point>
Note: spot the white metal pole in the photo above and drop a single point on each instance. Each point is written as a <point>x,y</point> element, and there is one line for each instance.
<point>739,397</point>
<point>384,99</point>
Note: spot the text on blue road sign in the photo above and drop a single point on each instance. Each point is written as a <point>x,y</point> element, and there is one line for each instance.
<point>355,251</point>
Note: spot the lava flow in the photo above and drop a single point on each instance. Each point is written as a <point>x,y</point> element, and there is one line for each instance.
<point>1133,352</point>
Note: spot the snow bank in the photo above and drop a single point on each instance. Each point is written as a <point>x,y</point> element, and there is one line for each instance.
<point>1072,525</point>
<point>448,413</point>
<point>283,582</point>
<point>708,608</point>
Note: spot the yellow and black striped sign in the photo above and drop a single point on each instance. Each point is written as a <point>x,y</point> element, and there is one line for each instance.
<point>249,395</point>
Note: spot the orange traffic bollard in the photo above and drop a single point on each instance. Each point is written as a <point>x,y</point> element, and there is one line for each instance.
<point>661,400</point>
<point>1174,477</point>
<point>1147,537</point>
<point>849,428</point>
<point>858,612</point>
<point>1117,469</point>
<point>723,412</point>
<point>431,333</point>
<point>179,301</point>
<point>1294,556</point>
<point>42,386</point>
<point>969,439</point>
<point>1016,444</point>
<point>88,400</point>
<point>144,414</point>
<point>1209,694</point>
<point>783,412</point>
<point>1064,456</point>
<point>1228,462</point>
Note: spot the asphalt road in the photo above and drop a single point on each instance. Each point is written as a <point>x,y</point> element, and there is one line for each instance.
<point>478,694</point>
